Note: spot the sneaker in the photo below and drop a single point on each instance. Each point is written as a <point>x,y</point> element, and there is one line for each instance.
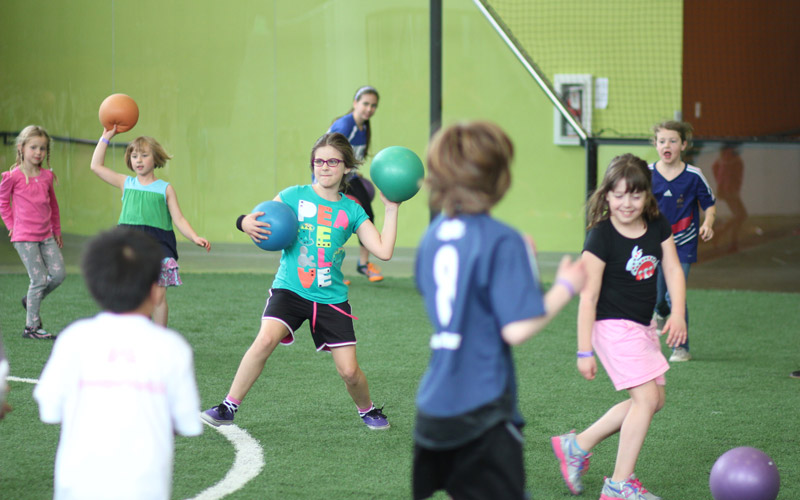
<point>375,419</point>
<point>25,302</point>
<point>371,271</point>
<point>795,374</point>
<point>347,282</point>
<point>218,415</point>
<point>37,332</point>
<point>626,489</point>
<point>574,464</point>
<point>647,495</point>
<point>680,354</point>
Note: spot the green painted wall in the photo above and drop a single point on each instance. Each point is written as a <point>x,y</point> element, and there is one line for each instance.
<point>239,92</point>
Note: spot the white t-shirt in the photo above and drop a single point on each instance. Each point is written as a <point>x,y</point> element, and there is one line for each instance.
<point>120,386</point>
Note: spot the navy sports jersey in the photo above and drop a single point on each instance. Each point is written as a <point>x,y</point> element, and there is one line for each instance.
<point>680,200</point>
<point>346,126</point>
<point>475,275</point>
<point>628,289</point>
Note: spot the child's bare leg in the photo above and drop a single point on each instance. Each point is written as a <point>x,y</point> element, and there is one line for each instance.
<point>607,425</point>
<point>253,361</point>
<point>161,310</point>
<point>363,256</point>
<point>645,401</point>
<point>354,378</point>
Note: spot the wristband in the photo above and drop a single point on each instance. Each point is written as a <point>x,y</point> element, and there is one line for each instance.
<point>566,284</point>
<point>585,354</point>
<point>103,139</point>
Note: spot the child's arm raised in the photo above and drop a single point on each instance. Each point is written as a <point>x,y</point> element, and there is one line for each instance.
<point>381,245</point>
<point>99,157</point>
<point>570,279</point>
<point>676,285</point>
<point>180,221</point>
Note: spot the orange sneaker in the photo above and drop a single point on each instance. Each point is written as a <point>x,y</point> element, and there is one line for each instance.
<point>370,271</point>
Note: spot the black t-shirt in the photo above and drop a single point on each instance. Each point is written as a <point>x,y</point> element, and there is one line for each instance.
<point>628,290</point>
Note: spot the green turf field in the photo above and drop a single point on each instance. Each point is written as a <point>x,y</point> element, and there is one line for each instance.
<point>735,393</point>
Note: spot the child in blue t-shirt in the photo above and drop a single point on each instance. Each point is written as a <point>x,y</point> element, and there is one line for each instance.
<point>478,278</point>
<point>681,191</point>
<point>309,282</point>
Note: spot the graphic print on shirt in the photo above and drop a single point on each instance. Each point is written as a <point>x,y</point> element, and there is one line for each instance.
<point>445,275</point>
<point>317,254</point>
<point>642,267</point>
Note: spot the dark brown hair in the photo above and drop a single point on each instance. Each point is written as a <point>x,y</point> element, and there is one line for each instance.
<point>469,167</point>
<point>341,144</point>
<point>638,179</point>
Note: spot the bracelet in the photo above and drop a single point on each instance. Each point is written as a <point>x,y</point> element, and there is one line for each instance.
<point>566,284</point>
<point>585,354</point>
<point>103,139</point>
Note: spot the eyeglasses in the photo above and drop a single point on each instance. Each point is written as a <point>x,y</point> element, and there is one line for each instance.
<point>332,162</point>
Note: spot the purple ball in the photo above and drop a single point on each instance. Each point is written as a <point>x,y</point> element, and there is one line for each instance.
<point>744,473</point>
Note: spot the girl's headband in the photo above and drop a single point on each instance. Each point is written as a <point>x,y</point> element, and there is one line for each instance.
<point>366,89</point>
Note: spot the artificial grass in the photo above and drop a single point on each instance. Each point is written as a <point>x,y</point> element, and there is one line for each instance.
<point>736,392</point>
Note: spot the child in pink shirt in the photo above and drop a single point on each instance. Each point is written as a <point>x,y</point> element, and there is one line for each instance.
<point>29,210</point>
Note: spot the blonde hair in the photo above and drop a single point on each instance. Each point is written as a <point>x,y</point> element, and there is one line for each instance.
<point>469,167</point>
<point>27,134</point>
<point>638,179</point>
<point>160,155</point>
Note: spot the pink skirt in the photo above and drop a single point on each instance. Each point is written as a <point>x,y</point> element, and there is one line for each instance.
<point>630,352</point>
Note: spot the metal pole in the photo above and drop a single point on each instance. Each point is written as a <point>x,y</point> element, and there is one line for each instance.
<point>435,65</point>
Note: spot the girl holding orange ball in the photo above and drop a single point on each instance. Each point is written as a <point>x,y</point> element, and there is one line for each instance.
<point>149,204</point>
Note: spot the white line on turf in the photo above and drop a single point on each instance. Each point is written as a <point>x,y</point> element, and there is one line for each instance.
<point>247,464</point>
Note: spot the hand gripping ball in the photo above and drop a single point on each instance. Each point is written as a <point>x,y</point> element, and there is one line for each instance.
<point>120,110</point>
<point>397,172</point>
<point>744,473</point>
<point>282,224</point>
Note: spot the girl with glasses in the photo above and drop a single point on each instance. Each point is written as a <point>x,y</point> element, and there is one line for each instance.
<point>309,282</point>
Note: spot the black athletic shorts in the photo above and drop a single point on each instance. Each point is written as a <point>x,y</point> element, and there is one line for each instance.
<point>490,467</point>
<point>331,324</point>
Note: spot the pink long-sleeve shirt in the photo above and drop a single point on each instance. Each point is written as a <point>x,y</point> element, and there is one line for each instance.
<point>29,210</point>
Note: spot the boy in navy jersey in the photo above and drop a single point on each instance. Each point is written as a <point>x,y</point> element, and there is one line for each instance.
<point>479,280</point>
<point>681,191</point>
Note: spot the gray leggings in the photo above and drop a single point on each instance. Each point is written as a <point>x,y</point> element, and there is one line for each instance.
<point>45,267</point>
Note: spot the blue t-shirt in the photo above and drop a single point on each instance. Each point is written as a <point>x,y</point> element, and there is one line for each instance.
<point>475,275</point>
<point>680,200</point>
<point>346,126</point>
<point>312,266</point>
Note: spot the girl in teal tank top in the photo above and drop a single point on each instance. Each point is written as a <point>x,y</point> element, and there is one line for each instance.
<point>149,204</point>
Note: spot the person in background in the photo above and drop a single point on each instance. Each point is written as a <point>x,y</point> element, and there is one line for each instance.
<point>681,191</point>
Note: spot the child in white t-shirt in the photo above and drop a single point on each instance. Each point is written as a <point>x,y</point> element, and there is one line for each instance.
<point>120,386</point>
